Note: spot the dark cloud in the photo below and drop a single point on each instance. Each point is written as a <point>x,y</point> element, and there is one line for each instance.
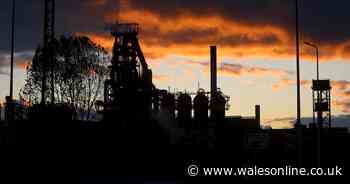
<point>326,21</point>
<point>71,17</point>
<point>184,36</point>
<point>257,11</point>
<point>238,40</point>
<point>323,22</point>
<point>21,59</point>
<point>28,25</point>
<point>3,64</point>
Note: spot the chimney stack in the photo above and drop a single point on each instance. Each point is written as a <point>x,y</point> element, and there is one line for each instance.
<point>213,70</point>
<point>257,113</point>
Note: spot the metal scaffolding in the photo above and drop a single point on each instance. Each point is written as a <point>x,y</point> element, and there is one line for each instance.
<point>49,35</point>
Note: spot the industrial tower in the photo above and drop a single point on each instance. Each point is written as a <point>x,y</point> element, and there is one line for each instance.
<point>49,35</point>
<point>321,95</point>
<point>129,90</point>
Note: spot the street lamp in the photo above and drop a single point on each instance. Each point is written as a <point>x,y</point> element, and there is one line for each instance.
<point>12,46</point>
<point>319,113</point>
<point>9,99</point>
<point>316,48</point>
<point>298,125</point>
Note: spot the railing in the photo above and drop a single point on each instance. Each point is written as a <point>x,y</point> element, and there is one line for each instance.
<point>122,28</point>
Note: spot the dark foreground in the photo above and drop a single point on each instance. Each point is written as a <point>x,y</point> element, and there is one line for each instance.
<point>103,153</point>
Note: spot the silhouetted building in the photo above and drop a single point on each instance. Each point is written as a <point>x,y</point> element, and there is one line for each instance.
<point>184,108</point>
<point>239,122</point>
<point>257,113</point>
<point>217,106</point>
<point>201,106</point>
<point>129,90</point>
<point>168,104</point>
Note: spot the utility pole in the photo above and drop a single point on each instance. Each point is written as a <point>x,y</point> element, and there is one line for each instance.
<point>297,59</point>
<point>9,109</point>
<point>49,22</point>
<point>12,46</point>
<point>319,112</point>
<point>298,123</point>
<point>317,62</point>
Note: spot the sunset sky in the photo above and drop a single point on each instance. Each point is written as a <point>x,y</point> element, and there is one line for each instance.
<point>255,41</point>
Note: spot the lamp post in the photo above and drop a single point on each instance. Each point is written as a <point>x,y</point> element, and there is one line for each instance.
<point>12,46</point>
<point>319,112</point>
<point>316,48</point>
<point>297,60</point>
<point>9,99</point>
<point>298,126</point>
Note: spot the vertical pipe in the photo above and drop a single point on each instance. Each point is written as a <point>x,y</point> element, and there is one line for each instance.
<point>52,55</point>
<point>313,107</point>
<point>319,113</point>
<point>298,123</point>
<point>45,49</point>
<point>12,46</point>
<point>9,110</point>
<point>317,65</point>
<point>329,107</point>
<point>257,114</point>
<point>213,69</point>
<point>297,59</point>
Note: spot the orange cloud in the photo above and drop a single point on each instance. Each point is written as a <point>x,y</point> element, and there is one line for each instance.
<point>239,70</point>
<point>285,82</point>
<point>344,106</point>
<point>99,2</point>
<point>189,34</point>
<point>341,84</point>
<point>340,87</point>
<point>156,51</point>
<point>22,66</point>
<point>340,91</point>
<point>160,77</point>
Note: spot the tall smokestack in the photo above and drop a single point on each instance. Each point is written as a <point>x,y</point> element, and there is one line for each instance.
<point>257,113</point>
<point>213,70</point>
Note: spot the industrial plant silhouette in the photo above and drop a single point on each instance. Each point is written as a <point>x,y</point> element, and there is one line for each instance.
<point>149,131</point>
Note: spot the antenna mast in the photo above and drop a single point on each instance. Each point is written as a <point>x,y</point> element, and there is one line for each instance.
<point>49,35</point>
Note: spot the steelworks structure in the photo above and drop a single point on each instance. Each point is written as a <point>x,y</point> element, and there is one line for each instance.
<point>128,91</point>
<point>130,96</point>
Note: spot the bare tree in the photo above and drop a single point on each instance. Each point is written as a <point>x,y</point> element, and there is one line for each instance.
<point>80,68</point>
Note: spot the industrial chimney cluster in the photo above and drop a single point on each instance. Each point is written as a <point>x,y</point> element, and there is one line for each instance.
<point>200,106</point>
<point>130,95</point>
